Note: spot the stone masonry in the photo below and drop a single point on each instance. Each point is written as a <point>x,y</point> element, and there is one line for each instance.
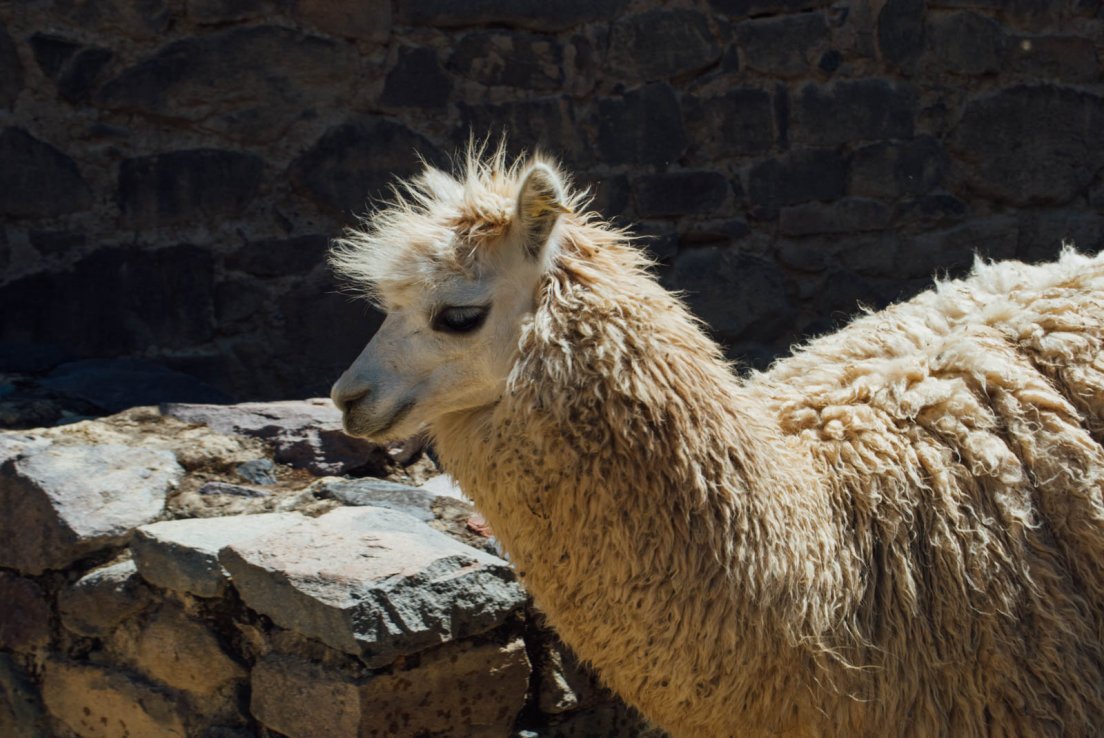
<point>171,170</point>
<point>223,603</point>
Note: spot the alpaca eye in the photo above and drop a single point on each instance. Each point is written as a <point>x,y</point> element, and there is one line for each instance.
<point>463,319</point>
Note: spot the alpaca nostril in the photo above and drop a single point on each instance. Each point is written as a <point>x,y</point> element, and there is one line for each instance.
<point>344,401</point>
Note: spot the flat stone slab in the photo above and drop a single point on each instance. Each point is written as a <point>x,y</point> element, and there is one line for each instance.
<point>63,502</point>
<point>372,582</point>
<point>414,501</point>
<point>182,555</point>
<point>305,434</point>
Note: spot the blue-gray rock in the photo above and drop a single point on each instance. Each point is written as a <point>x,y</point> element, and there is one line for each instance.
<point>258,471</point>
<point>895,169</point>
<point>64,502</point>
<point>642,127</point>
<point>11,70</point>
<point>543,123</point>
<point>97,602</point>
<point>117,384</point>
<point>1029,145</point>
<point>304,433</point>
<point>784,46</point>
<point>965,43</point>
<point>532,14</point>
<point>736,123</point>
<point>52,51</point>
<point>1068,59</point>
<point>739,8</point>
<point>799,176</point>
<point>414,501</point>
<point>847,111</point>
<point>662,43</point>
<point>232,490</point>
<point>31,358</point>
<point>371,582</point>
<point>38,180</point>
<point>416,81</point>
<point>182,555</point>
<point>279,257</point>
<point>846,215</point>
<point>679,193</point>
<point>195,186</point>
<point>901,32</point>
<point>498,58</point>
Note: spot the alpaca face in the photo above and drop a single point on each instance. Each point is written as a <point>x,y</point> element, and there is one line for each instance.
<point>451,333</point>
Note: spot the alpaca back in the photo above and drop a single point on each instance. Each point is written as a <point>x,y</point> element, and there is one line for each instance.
<point>961,432</point>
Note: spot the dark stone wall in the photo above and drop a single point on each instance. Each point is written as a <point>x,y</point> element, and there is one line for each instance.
<point>171,170</point>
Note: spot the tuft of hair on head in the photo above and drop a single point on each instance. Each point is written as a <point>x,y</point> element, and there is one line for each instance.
<point>441,218</point>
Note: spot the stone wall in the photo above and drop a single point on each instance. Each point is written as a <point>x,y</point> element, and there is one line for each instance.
<point>199,571</point>
<point>171,170</point>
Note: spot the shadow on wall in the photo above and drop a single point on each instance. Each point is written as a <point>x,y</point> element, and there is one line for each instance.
<point>172,171</point>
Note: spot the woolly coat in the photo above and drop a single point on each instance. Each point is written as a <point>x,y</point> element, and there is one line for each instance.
<point>897,531</point>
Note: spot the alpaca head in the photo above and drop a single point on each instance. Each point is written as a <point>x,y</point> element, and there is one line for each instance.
<point>455,263</point>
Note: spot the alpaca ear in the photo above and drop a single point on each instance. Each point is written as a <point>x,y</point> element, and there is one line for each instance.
<point>539,204</point>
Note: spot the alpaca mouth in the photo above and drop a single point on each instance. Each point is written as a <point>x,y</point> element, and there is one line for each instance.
<point>356,426</point>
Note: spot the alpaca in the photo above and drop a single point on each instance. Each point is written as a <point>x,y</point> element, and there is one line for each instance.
<point>899,530</point>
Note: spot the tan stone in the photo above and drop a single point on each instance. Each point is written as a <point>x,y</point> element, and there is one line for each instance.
<point>95,702</point>
<point>183,654</point>
<point>24,614</point>
<point>288,693</point>
<point>460,689</point>
<point>97,602</point>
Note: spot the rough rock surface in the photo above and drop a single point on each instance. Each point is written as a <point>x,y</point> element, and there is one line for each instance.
<point>64,502</point>
<point>101,599</point>
<point>304,433</point>
<point>182,555</point>
<point>372,582</point>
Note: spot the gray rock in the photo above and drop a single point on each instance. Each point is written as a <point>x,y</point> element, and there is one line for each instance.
<point>374,583</point>
<point>280,76</point>
<point>893,169</point>
<point>354,162</point>
<point>97,602</point>
<point>21,713</point>
<point>36,179</point>
<point>901,32</point>
<point>854,110</point>
<point>546,123</point>
<point>764,7</point>
<point>200,185</point>
<point>784,46</point>
<point>532,14</point>
<point>740,296</point>
<point>497,58</point>
<point>414,501</point>
<point>1062,58</point>
<point>233,490</point>
<point>64,502</point>
<point>965,43</point>
<point>662,43</point>
<point>799,176</point>
<point>117,384</point>
<point>1028,145</point>
<point>368,20</point>
<point>679,193</point>
<point>258,471</point>
<point>24,616</point>
<point>444,486</point>
<point>417,81</point>
<point>736,123</point>
<point>279,257</point>
<point>847,215</point>
<point>642,127</point>
<point>227,11</point>
<point>11,70</point>
<point>182,555</point>
<point>306,434</point>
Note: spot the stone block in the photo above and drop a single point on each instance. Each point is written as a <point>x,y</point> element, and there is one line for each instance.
<point>744,8</point>
<point>305,434</point>
<point>216,12</point>
<point>965,43</point>
<point>417,502</point>
<point>286,692</point>
<point>798,176</point>
<point>738,122</point>
<point>11,70</point>
<point>374,583</point>
<point>238,300</point>
<point>847,111</point>
<point>367,20</point>
<point>662,43</point>
<point>280,76</point>
<point>1068,59</point>
<point>354,162</point>
<point>498,58</point>
<point>895,169</point>
<point>740,296</point>
<point>184,654</point>
<point>97,702</point>
<point>147,20</point>
<point>901,32</point>
<point>200,185</point>
<point>680,193</point>
<point>542,123</point>
<point>1028,145</point>
<point>182,555</point>
<point>121,300</point>
<point>24,616</point>
<point>64,502</point>
<point>643,127</point>
<point>784,46</point>
<point>21,713</point>
<point>117,384</point>
<point>280,257</point>
<point>51,51</point>
<point>97,602</point>
<point>416,80</point>
<point>37,180</point>
<point>532,14</point>
<point>952,250</point>
<point>80,76</point>
<point>473,690</point>
<point>846,215</point>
